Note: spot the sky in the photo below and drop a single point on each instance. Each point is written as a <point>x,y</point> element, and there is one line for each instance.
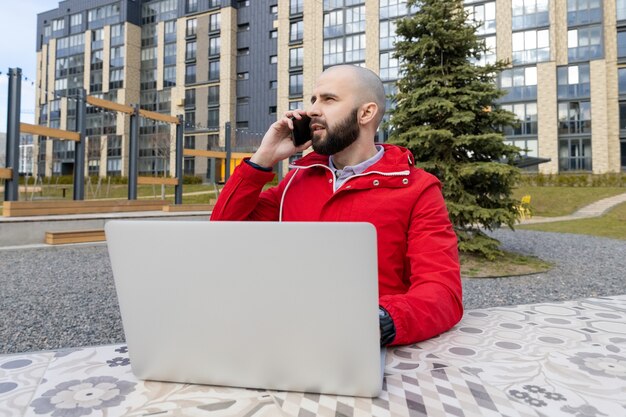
<point>18,30</point>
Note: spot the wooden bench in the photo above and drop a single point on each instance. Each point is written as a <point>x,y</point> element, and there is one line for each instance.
<point>75,236</point>
<point>175,208</point>
<point>47,208</point>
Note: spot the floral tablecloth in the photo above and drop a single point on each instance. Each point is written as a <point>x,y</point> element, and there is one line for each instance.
<point>555,359</point>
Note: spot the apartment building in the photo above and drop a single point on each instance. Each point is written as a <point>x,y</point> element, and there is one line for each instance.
<point>247,61</point>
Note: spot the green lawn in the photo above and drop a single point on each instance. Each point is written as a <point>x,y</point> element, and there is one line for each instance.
<point>612,225</point>
<point>559,201</point>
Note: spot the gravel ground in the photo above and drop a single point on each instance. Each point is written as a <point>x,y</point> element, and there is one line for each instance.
<point>64,296</point>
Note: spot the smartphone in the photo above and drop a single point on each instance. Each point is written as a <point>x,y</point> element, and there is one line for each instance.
<point>301,130</point>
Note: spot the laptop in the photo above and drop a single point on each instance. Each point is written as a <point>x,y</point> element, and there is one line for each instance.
<point>280,306</point>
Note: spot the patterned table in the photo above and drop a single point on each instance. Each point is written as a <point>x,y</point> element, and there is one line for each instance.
<point>555,359</point>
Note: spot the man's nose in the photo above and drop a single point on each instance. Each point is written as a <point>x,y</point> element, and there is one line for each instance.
<point>314,111</point>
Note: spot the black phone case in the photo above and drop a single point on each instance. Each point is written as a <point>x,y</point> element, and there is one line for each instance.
<point>301,130</point>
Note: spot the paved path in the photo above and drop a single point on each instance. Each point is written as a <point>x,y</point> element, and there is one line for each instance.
<point>596,209</point>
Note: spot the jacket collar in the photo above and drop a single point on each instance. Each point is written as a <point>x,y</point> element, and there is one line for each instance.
<point>395,158</point>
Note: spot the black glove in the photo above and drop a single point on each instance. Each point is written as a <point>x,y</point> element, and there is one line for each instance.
<point>387,328</point>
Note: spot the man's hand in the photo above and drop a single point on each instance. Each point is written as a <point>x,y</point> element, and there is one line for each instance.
<point>277,144</point>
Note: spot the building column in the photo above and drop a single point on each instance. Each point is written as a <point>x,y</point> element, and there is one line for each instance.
<point>548,138</point>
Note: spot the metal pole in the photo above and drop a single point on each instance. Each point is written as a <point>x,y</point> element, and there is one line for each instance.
<point>133,154</point>
<point>178,190</point>
<point>79,148</point>
<point>11,187</point>
<point>228,151</point>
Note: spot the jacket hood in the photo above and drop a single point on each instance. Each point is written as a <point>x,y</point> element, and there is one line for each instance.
<point>395,158</point>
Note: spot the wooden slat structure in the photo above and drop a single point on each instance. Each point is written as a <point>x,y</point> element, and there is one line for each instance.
<point>75,236</point>
<point>110,105</point>
<point>49,208</point>
<point>49,132</point>
<point>215,154</point>
<point>6,173</point>
<point>158,116</point>
<point>176,208</point>
<point>157,181</point>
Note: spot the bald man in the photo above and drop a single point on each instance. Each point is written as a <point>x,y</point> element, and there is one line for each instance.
<point>348,177</point>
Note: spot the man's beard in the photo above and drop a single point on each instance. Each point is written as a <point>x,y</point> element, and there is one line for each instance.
<point>339,137</point>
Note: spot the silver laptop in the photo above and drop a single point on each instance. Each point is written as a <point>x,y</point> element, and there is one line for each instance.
<point>280,306</point>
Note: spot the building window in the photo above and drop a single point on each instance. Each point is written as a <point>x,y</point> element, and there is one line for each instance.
<point>528,146</point>
<point>58,24</point>
<point>621,9</point>
<point>584,44</point>
<point>169,54</point>
<point>526,115</point>
<point>273,59</point>
<point>116,79</point>
<point>190,52</point>
<point>192,6</point>
<point>621,46</point>
<point>273,34</point>
<point>117,56</point>
<point>528,14</point>
<point>243,75</point>
<point>488,56</point>
<point>190,120</point>
<point>243,27</point>
<point>574,117</point>
<point>355,19</point>
<point>531,46</point>
<point>296,6</point>
<point>215,22</point>
<point>274,11</point>
<point>170,31</point>
<point>393,8</point>
<point>296,57</point>
<point>189,142</point>
<point>215,3</point>
<point>190,74</point>
<point>213,120</point>
<point>296,31</point>
<point>333,24</point>
<point>583,12</point>
<point>295,85</point>
<point>273,85</point>
<point>76,22</point>
<point>573,81</point>
<point>243,51</point>
<point>272,109</point>
<point>243,101</point>
<point>296,105</point>
<point>575,154</point>
<point>388,36</point>
<point>389,66</point>
<point>214,46</point>
<point>355,48</point>
<point>333,51</point>
<point>621,77</point>
<point>190,98</point>
<point>214,70</point>
<point>242,125</point>
<point>520,83</point>
<point>622,118</point>
<point>191,27</point>
<point>214,95</point>
<point>485,15</point>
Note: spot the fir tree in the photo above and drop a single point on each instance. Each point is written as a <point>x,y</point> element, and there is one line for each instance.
<point>445,114</point>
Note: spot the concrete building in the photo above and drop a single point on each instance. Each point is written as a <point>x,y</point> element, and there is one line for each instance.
<point>245,62</point>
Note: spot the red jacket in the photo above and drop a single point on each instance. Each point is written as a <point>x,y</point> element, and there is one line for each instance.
<point>418,266</point>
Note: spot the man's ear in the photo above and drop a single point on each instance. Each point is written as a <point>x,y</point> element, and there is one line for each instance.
<point>367,113</point>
